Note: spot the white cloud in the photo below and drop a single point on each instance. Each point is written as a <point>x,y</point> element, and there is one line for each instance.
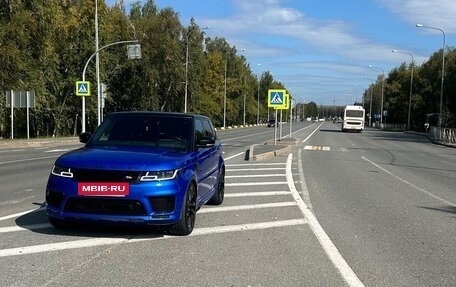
<point>436,13</point>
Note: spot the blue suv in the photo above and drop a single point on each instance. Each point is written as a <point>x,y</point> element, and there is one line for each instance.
<point>150,168</point>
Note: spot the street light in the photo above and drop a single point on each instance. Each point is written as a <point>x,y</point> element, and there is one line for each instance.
<point>443,67</point>
<point>245,80</point>
<point>411,83</point>
<point>383,88</point>
<point>258,99</point>
<point>84,71</point>
<point>186,68</point>
<point>224,101</point>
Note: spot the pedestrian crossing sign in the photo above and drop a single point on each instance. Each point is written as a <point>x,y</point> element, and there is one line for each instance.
<point>276,98</point>
<point>286,103</point>
<point>82,88</point>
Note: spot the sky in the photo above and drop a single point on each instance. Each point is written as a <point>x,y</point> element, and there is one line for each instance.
<point>321,49</point>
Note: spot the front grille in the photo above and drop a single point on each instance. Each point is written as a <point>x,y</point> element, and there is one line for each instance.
<point>162,204</point>
<point>95,175</point>
<point>115,206</point>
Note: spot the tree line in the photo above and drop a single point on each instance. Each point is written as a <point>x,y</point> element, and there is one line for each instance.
<point>44,45</point>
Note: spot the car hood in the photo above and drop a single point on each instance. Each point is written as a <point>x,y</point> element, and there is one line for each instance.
<point>115,158</point>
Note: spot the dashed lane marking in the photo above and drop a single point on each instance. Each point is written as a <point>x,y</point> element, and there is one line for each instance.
<point>317,148</point>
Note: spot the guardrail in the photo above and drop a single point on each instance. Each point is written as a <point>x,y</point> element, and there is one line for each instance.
<point>443,135</point>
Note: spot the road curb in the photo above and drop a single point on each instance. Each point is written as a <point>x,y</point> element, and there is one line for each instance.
<point>270,149</point>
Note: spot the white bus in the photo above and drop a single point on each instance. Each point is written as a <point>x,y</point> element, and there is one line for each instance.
<point>353,119</point>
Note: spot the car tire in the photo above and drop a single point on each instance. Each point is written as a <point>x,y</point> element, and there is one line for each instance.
<point>219,195</point>
<point>188,214</point>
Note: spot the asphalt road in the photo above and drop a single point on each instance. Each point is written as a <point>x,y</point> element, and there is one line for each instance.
<point>343,209</point>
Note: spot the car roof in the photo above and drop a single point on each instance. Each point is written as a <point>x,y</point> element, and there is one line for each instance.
<point>151,113</point>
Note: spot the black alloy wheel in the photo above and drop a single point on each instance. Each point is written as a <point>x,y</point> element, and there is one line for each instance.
<point>188,215</point>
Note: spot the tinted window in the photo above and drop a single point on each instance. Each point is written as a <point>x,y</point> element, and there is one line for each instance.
<point>354,113</point>
<point>147,130</point>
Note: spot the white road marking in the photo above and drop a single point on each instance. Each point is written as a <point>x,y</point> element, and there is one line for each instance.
<point>411,184</point>
<point>16,228</point>
<point>20,213</point>
<point>254,175</point>
<point>256,183</point>
<point>233,156</point>
<point>27,159</point>
<point>334,255</point>
<point>259,193</point>
<point>84,243</point>
<point>256,164</point>
<point>253,169</point>
<point>59,150</point>
<point>246,207</point>
<point>311,134</point>
<point>317,148</point>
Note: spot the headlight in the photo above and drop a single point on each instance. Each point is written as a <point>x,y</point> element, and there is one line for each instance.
<point>159,175</point>
<point>62,171</point>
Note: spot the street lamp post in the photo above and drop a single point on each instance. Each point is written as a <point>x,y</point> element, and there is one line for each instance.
<point>411,85</point>
<point>258,99</point>
<point>85,68</point>
<point>186,69</point>
<point>383,88</point>
<point>443,68</point>
<point>224,102</point>
<point>97,66</point>
<point>245,83</point>
<point>370,104</point>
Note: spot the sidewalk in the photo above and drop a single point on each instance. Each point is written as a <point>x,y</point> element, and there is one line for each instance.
<point>37,142</point>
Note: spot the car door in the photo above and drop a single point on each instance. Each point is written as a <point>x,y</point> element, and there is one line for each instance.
<point>203,164</point>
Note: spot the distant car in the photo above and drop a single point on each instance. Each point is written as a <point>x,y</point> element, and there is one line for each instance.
<point>271,123</point>
<point>147,168</point>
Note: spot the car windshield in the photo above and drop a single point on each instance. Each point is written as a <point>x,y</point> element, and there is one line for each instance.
<point>145,130</point>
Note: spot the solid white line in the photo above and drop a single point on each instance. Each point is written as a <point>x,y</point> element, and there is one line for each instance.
<point>305,191</point>
<point>233,156</point>
<point>259,193</point>
<point>255,164</point>
<point>312,133</point>
<point>246,207</point>
<point>59,150</point>
<point>249,226</point>
<point>253,169</point>
<point>20,213</point>
<point>25,227</point>
<point>256,183</point>
<point>254,175</point>
<point>411,184</point>
<point>334,255</point>
<point>28,159</point>
<point>85,243</point>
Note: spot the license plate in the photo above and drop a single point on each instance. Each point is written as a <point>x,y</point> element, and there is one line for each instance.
<point>103,188</point>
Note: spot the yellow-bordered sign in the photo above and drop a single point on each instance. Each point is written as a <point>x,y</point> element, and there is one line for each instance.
<point>276,98</point>
<point>82,88</point>
<point>286,104</point>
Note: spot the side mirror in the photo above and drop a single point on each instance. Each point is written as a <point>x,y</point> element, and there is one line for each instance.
<point>206,142</point>
<point>84,137</point>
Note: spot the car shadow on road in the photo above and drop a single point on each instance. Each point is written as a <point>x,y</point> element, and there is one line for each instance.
<point>37,222</point>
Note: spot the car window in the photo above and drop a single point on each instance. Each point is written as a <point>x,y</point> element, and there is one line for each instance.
<point>150,130</point>
<point>208,129</point>
<point>199,129</point>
